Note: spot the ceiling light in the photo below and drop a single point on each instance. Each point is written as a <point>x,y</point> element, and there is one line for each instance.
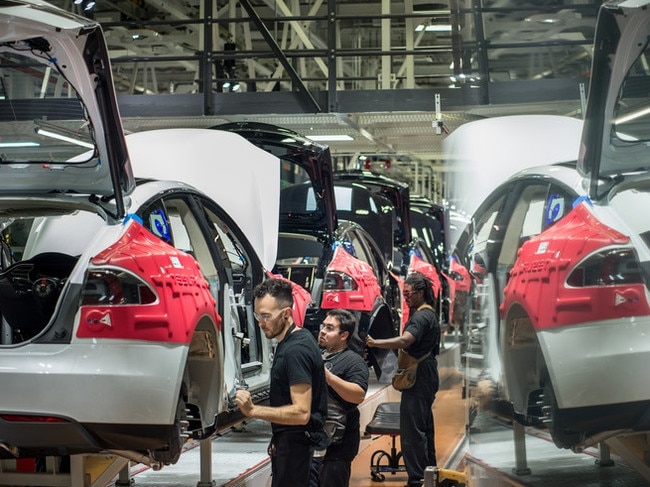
<point>65,138</point>
<point>433,28</point>
<point>329,138</point>
<point>19,144</point>
<point>632,116</point>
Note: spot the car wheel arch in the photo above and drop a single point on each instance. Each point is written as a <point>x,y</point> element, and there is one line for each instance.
<point>204,375</point>
<point>521,357</point>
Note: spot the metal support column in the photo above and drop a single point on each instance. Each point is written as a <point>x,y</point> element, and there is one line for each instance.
<point>604,457</point>
<point>206,62</point>
<point>206,464</point>
<point>521,463</point>
<point>332,94</point>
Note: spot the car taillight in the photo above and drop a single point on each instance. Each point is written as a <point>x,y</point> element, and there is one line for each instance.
<point>608,267</point>
<point>339,281</point>
<point>112,286</point>
<point>455,276</point>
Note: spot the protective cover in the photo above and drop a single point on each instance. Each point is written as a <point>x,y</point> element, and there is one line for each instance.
<point>242,178</point>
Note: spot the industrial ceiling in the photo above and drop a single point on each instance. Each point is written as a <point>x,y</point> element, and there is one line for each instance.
<point>394,76</point>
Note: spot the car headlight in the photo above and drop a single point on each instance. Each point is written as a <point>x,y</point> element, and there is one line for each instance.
<point>609,267</point>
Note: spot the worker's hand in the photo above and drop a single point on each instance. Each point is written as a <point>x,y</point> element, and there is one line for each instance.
<point>370,341</point>
<point>244,401</point>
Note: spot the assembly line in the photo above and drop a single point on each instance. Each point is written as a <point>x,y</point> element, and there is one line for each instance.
<point>151,284</point>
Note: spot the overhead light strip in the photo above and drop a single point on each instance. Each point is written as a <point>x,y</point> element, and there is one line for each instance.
<point>433,28</point>
<point>18,144</point>
<point>65,138</point>
<point>329,138</point>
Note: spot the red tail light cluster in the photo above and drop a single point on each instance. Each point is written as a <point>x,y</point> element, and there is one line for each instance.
<point>113,286</point>
<point>339,281</point>
<point>609,267</point>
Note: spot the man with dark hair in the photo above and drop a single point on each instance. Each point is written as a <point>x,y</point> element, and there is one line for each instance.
<point>346,374</point>
<point>298,397</point>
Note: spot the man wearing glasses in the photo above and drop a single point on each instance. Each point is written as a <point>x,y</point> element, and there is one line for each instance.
<point>346,373</point>
<point>298,396</point>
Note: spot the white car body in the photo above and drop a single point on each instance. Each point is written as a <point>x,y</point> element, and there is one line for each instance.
<point>122,305</point>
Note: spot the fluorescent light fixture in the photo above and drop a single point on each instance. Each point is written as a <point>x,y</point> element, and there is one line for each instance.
<point>19,144</point>
<point>329,138</point>
<point>433,28</point>
<point>65,138</point>
<point>632,116</point>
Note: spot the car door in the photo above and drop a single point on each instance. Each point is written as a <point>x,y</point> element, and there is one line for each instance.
<point>197,226</point>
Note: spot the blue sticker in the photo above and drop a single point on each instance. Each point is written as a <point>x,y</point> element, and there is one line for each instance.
<point>349,248</point>
<point>158,225</point>
<point>554,209</point>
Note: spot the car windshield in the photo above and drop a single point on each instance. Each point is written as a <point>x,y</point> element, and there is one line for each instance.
<point>41,117</point>
<point>632,109</point>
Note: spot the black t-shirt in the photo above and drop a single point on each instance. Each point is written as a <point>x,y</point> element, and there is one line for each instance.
<point>423,324</point>
<point>351,367</point>
<point>298,360</point>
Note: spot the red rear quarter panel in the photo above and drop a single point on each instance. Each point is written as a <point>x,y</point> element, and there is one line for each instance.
<point>538,278</point>
<point>184,294</point>
<point>362,299</point>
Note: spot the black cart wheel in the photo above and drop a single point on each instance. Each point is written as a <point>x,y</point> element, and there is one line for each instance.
<point>377,477</point>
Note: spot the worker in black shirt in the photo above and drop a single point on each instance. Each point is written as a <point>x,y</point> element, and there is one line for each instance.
<point>298,395</point>
<point>346,373</point>
<point>421,339</point>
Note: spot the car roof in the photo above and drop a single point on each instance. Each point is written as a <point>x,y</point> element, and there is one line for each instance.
<point>70,51</point>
